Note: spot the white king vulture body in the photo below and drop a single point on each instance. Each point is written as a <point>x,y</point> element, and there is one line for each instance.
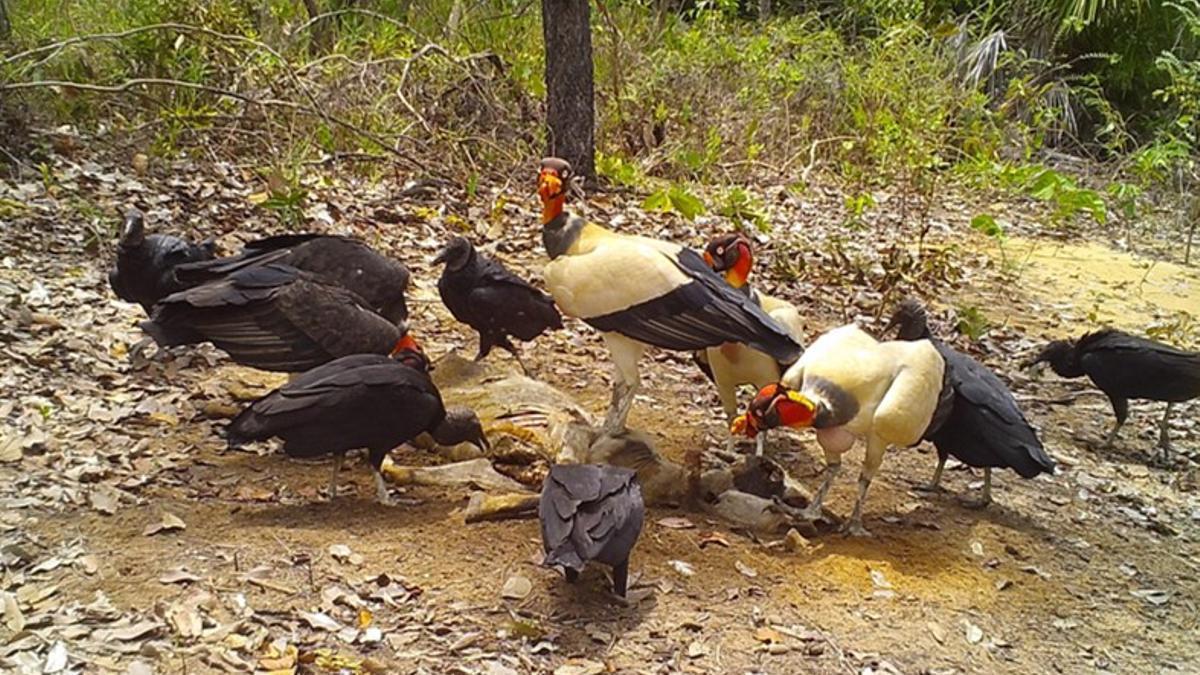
<point>733,364</point>
<point>847,386</point>
<point>639,292</point>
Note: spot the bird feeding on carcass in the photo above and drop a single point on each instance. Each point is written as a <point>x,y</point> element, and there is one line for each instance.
<point>733,364</point>
<point>274,317</point>
<point>591,512</point>
<point>1125,367</point>
<point>640,292</point>
<point>145,268</point>
<point>848,386</point>
<point>365,401</point>
<point>340,261</point>
<point>983,426</point>
<point>483,294</point>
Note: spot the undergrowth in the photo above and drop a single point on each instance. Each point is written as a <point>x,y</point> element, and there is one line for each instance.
<point>907,97</point>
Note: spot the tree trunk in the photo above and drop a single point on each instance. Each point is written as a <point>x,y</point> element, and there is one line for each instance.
<point>570,96</point>
<point>5,25</point>
<point>321,40</point>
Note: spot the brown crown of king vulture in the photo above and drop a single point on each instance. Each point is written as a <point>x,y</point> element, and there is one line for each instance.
<point>360,401</point>
<point>347,262</point>
<point>1124,367</point>
<point>639,292</point>
<point>983,426</point>
<point>847,386</point>
<point>733,364</point>
<point>274,317</point>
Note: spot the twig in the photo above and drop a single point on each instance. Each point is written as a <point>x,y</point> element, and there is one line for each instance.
<point>163,82</point>
<point>57,48</point>
<point>363,12</point>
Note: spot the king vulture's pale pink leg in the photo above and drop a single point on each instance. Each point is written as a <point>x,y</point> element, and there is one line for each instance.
<point>625,354</point>
<point>876,446</point>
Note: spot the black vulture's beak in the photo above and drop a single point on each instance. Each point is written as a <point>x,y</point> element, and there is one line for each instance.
<point>442,256</point>
<point>483,443</point>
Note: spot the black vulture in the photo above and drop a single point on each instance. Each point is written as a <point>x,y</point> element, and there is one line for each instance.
<point>980,425</point>
<point>144,272</point>
<point>1124,367</point>
<point>483,294</point>
<point>591,512</point>
<point>366,401</point>
<point>274,317</point>
<point>344,261</point>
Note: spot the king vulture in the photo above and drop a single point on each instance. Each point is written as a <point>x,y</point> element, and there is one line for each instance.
<point>733,364</point>
<point>591,512</point>
<point>848,386</point>
<point>145,267</point>
<point>984,427</point>
<point>483,294</point>
<point>275,317</point>
<point>361,401</point>
<point>1125,366</point>
<point>344,261</point>
<point>639,292</point>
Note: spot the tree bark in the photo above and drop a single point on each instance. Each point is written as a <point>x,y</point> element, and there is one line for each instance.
<point>5,25</point>
<point>570,87</point>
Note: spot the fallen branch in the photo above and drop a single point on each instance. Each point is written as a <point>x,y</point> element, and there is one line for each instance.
<point>127,85</point>
<point>499,507</point>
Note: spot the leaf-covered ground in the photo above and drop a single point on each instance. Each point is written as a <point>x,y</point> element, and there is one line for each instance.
<point>132,541</point>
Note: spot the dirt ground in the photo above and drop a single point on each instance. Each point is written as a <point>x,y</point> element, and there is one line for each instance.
<point>1096,569</point>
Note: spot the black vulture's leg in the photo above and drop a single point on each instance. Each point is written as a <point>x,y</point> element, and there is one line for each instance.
<point>381,488</point>
<point>1121,409</point>
<point>935,485</point>
<point>1164,435</point>
<point>620,577</point>
<point>333,480</point>
<point>986,497</point>
<point>572,575</point>
<point>485,346</point>
<point>508,346</point>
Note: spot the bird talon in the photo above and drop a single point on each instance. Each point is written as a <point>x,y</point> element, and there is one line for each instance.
<point>855,528</point>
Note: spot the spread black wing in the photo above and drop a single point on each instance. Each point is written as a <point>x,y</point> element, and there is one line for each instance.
<point>704,312</point>
<point>273,317</point>
<point>344,261</point>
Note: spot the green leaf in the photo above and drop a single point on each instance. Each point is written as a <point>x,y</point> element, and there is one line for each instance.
<point>686,204</point>
<point>987,225</point>
<point>657,201</point>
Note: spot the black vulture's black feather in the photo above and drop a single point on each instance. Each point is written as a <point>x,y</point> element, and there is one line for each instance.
<point>591,512</point>
<point>273,317</point>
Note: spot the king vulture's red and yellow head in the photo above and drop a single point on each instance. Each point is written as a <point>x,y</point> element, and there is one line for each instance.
<point>731,255</point>
<point>775,406</point>
<point>552,186</point>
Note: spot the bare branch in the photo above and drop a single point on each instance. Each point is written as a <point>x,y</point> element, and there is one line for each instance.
<point>271,102</point>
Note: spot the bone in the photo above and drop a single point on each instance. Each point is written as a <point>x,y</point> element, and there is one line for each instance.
<point>476,472</point>
<point>500,507</point>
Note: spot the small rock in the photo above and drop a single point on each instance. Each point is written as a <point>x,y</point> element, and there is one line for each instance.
<point>516,588</point>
